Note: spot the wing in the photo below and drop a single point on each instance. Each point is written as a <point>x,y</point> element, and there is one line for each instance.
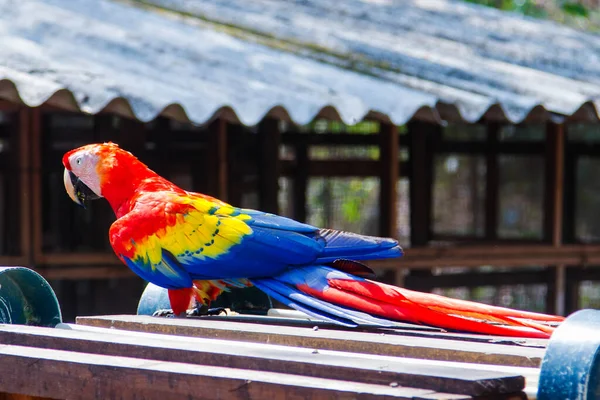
<point>171,239</point>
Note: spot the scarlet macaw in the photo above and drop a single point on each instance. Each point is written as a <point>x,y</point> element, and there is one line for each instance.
<point>197,246</point>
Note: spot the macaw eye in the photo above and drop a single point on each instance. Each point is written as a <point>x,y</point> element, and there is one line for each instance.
<point>78,161</point>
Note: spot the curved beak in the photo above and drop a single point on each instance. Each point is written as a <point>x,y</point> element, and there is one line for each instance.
<point>77,190</point>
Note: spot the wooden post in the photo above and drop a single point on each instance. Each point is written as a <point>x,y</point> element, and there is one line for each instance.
<point>35,137</point>
<point>553,211</point>
<point>421,186</point>
<point>104,129</point>
<point>217,159</point>
<point>132,135</point>
<point>236,170</point>
<point>421,181</point>
<point>24,147</point>
<point>388,194</point>
<point>492,182</point>
<point>301,182</point>
<point>269,138</point>
<point>555,164</point>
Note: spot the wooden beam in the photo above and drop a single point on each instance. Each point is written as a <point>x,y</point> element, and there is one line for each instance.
<point>482,147</point>
<point>359,167</point>
<point>502,256</point>
<point>9,106</point>
<point>429,346</point>
<point>476,279</point>
<point>439,376</point>
<point>217,160</point>
<point>388,180</point>
<point>329,139</point>
<point>300,182</point>
<point>87,273</point>
<point>76,375</point>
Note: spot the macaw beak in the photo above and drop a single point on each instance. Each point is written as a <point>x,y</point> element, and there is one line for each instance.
<point>77,190</point>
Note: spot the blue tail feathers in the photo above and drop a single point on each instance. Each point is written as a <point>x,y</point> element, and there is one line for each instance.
<point>284,288</point>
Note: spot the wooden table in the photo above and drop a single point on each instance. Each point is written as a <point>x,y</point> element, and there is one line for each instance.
<point>252,357</point>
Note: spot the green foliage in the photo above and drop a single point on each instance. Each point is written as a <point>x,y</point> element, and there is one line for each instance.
<point>575,9</point>
<point>325,126</point>
<point>570,12</point>
<point>526,7</point>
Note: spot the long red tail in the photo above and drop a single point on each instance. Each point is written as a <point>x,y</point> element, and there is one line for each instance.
<point>321,291</point>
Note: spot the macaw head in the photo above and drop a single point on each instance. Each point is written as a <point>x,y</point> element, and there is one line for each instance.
<point>83,166</point>
<point>101,170</point>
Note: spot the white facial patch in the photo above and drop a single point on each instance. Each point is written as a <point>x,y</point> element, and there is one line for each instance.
<point>83,165</point>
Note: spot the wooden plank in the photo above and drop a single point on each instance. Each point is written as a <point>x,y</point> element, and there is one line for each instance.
<point>388,180</point>
<point>300,185</point>
<point>74,375</point>
<point>269,138</point>
<point>439,376</point>
<point>12,396</point>
<point>340,340</point>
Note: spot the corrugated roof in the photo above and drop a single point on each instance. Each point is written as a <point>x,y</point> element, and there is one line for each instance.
<point>296,60</point>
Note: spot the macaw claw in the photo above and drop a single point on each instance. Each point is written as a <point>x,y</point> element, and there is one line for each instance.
<point>203,310</point>
<point>192,312</point>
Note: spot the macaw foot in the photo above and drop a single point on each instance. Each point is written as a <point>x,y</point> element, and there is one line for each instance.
<point>203,310</point>
<point>167,312</point>
<point>199,311</point>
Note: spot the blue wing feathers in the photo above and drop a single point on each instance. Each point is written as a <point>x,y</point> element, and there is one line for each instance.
<point>329,243</point>
<point>276,244</point>
<point>272,221</point>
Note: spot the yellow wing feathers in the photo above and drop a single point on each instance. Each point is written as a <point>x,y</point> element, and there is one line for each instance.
<point>194,229</point>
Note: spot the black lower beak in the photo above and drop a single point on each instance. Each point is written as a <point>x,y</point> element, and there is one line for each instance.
<point>82,192</point>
